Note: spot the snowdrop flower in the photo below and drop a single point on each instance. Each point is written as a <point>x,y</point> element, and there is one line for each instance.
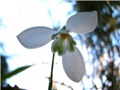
<point>64,44</point>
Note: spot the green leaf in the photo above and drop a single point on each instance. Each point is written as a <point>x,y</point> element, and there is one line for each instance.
<point>12,73</point>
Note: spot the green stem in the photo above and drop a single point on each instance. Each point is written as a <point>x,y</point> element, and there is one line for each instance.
<point>51,74</point>
<point>63,28</point>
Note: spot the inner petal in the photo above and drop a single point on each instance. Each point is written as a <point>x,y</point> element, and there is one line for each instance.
<point>59,46</point>
<point>70,43</point>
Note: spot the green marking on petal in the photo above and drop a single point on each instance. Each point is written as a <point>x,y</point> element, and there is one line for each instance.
<point>70,43</point>
<point>59,46</point>
<point>61,49</point>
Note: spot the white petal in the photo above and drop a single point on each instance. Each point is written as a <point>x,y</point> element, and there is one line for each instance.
<point>73,65</point>
<point>83,22</point>
<point>35,37</point>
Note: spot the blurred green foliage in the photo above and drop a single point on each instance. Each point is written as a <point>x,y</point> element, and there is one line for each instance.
<point>14,72</point>
<point>5,74</point>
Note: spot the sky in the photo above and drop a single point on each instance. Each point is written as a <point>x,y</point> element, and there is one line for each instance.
<point>17,15</point>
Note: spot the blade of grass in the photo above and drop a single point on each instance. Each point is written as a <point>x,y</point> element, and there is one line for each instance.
<point>12,73</point>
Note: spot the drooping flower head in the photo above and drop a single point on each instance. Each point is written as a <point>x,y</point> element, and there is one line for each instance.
<point>63,43</point>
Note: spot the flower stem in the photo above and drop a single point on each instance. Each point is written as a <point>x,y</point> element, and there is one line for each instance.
<point>51,74</point>
<point>63,28</point>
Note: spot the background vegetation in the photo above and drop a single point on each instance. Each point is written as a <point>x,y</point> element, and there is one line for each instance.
<point>104,40</point>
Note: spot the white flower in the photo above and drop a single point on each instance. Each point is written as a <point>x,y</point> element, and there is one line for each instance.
<point>63,43</point>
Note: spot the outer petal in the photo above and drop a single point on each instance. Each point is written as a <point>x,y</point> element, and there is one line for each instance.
<point>83,22</point>
<point>35,37</point>
<point>73,65</point>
